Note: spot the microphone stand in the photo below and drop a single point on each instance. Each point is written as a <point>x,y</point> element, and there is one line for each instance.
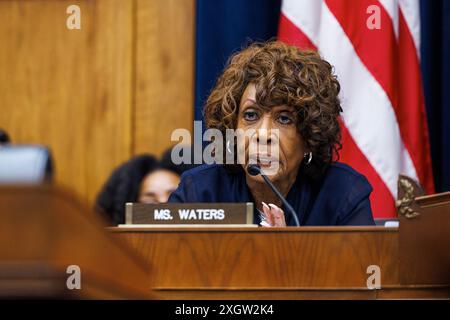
<point>254,170</point>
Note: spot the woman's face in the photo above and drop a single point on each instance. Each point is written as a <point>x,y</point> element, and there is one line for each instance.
<point>274,130</point>
<point>157,186</point>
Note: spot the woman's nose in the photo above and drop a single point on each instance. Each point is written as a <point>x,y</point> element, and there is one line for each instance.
<point>264,130</point>
<point>163,197</point>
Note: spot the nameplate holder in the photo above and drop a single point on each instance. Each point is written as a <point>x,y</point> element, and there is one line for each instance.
<point>220,214</point>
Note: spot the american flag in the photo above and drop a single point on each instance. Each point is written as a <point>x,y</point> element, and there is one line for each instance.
<point>374,48</point>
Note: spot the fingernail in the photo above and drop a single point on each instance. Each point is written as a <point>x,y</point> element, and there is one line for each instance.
<point>273,206</point>
<point>265,224</point>
<point>265,205</point>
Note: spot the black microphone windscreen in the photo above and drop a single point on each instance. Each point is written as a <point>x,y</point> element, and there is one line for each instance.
<point>253,170</point>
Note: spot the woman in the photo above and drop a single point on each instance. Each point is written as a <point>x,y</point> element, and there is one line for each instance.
<point>274,87</point>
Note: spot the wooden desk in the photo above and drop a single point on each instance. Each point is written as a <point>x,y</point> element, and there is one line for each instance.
<point>43,230</point>
<point>275,263</point>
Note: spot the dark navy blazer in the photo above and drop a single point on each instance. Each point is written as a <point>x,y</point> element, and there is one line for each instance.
<point>341,197</point>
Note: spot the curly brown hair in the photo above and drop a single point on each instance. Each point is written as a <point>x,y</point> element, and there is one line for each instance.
<point>283,75</point>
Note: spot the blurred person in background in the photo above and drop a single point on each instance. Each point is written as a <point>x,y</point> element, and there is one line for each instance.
<point>157,185</point>
<point>143,179</point>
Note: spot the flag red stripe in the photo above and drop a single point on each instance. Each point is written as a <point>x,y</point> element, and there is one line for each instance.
<point>411,102</point>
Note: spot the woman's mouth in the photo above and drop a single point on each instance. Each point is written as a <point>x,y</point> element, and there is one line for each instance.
<point>263,161</point>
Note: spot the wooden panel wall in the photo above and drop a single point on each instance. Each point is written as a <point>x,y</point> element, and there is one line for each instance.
<point>98,95</point>
<point>165,71</point>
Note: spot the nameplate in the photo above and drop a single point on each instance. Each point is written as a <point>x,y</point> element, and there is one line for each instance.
<point>189,213</point>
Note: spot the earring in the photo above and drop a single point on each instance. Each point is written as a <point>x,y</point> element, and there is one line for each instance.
<point>309,155</point>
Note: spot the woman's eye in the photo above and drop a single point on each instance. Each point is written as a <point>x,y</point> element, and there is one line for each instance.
<point>283,119</point>
<point>250,115</point>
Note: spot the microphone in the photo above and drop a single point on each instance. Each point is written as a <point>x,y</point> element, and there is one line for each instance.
<point>254,170</point>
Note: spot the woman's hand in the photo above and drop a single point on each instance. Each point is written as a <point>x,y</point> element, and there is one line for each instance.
<point>273,216</point>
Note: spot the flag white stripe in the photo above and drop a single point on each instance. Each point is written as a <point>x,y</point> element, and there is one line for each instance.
<point>411,11</point>
<point>368,113</point>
